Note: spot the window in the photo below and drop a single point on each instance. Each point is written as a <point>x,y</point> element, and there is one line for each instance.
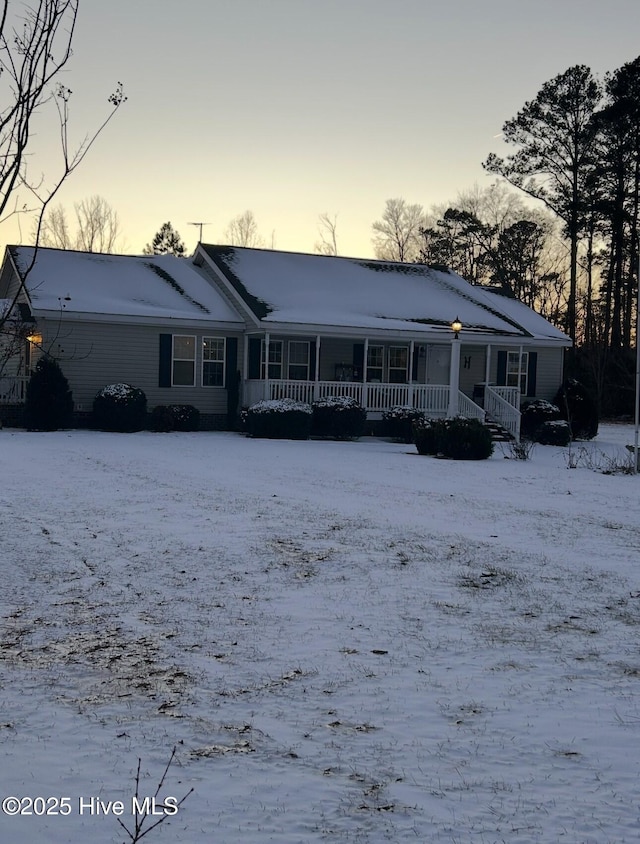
<point>298,360</point>
<point>275,359</point>
<point>398,362</point>
<point>213,361</point>
<point>183,362</point>
<point>375,363</point>
<point>513,367</point>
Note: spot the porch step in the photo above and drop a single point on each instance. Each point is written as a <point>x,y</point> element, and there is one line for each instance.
<point>498,433</point>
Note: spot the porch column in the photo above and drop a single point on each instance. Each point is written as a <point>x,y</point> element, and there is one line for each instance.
<point>411,354</point>
<point>365,397</point>
<point>519,373</point>
<point>487,367</point>
<point>245,359</point>
<point>267,340</point>
<point>454,378</point>
<point>317,372</point>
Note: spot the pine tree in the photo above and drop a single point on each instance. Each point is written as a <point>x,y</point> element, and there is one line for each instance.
<point>48,402</point>
<point>166,241</point>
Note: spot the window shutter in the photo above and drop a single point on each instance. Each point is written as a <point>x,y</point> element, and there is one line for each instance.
<point>255,345</point>
<point>532,373</point>
<point>358,361</point>
<point>164,369</point>
<point>312,360</point>
<point>501,379</point>
<point>416,358</point>
<point>231,361</point>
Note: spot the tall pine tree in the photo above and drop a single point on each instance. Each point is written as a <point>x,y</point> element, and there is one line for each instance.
<point>166,241</point>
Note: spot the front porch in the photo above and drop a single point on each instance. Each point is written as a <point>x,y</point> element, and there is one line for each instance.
<point>500,404</point>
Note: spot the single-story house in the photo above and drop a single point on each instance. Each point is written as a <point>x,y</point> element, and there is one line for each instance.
<point>239,324</point>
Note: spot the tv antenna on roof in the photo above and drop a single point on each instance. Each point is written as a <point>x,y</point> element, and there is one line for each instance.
<point>200,225</point>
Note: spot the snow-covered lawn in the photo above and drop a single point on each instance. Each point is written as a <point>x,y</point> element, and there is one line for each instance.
<point>346,642</point>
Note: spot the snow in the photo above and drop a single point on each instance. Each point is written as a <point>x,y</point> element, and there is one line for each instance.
<point>323,290</point>
<point>156,286</point>
<point>344,641</point>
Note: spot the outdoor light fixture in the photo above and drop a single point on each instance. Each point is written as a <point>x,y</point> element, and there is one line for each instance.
<point>456,327</point>
<point>35,339</point>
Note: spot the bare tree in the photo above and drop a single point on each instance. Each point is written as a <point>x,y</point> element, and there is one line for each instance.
<point>35,47</point>
<point>97,227</point>
<point>397,234</point>
<point>328,231</point>
<point>243,231</point>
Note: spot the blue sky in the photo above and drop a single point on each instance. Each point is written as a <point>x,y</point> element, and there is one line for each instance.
<point>292,108</point>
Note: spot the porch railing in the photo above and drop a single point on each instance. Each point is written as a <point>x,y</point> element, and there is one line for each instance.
<point>432,398</point>
<point>13,389</point>
<point>504,411</point>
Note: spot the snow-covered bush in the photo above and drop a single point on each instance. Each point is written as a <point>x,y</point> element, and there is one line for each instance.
<point>339,417</point>
<point>175,417</point>
<point>579,409</point>
<point>556,432</point>
<point>48,401</point>
<point>279,419</point>
<point>120,407</point>
<point>458,438</point>
<point>397,422</point>
<point>534,414</point>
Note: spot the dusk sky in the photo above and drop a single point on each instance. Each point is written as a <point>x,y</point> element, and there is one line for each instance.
<point>292,108</point>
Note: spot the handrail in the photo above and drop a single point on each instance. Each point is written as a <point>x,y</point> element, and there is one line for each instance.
<point>502,411</point>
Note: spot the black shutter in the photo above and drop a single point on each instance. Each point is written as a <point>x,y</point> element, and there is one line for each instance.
<point>358,361</point>
<point>164,369</point>
<point>532,372</point>
<point>312,361</point>
<point>501,380</point>
<point>231,361</point>
<point>255,345</point>
<point>416,358</point>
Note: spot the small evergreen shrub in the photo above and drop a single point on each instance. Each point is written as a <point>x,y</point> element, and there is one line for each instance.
<point>279,419</point>
<point>579,409</point>
<point>175,417</point>
<point>397,422</point>
<point>458,438</point>
<point>120,407</point>
<point>339,417</point>
<point>534,413</point>
<point>428,435</point>
<point>48,400</point>
<point>554,433</point>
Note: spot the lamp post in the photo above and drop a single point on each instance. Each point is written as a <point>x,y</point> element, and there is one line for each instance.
<point>454,371</point>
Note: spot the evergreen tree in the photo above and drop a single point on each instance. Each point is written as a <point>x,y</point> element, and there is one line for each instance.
<point>166,241</point>
<point>555,137</point>
<point>48,402</point>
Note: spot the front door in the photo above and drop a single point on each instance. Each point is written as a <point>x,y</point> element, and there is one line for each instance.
<point>438,364</point>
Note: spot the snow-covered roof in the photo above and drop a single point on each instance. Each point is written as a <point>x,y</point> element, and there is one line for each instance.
<point>151,286</point>
<point>294,288</point>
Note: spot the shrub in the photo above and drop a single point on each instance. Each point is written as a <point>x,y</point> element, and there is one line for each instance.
<point>175,417</point>
<point>428,435</point>
<point>458,438</point>
<point>534,414</point>
<point>120,407</point>
<point>339,417</point>
<point>557,432</point>
<point>48,400</point>
<point>279,419</point>
<point>397,422</point>
<point>579,409</point>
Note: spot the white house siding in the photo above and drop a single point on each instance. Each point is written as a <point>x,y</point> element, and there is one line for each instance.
<point>549,370</point>
<point>472,367</point>
<point>94,354</point>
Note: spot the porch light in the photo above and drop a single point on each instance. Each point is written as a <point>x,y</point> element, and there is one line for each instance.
<point>456,327</point>
<point>35,339</point>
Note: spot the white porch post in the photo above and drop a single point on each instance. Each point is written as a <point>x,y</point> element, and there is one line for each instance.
<point>245,359</point>
<point>317,372</point>
<point>365,396</point>
<point>487,366</point>
<point>267,341</point>
<point>519,372</point>
<point>454,378</point>
<point>412,350</point>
